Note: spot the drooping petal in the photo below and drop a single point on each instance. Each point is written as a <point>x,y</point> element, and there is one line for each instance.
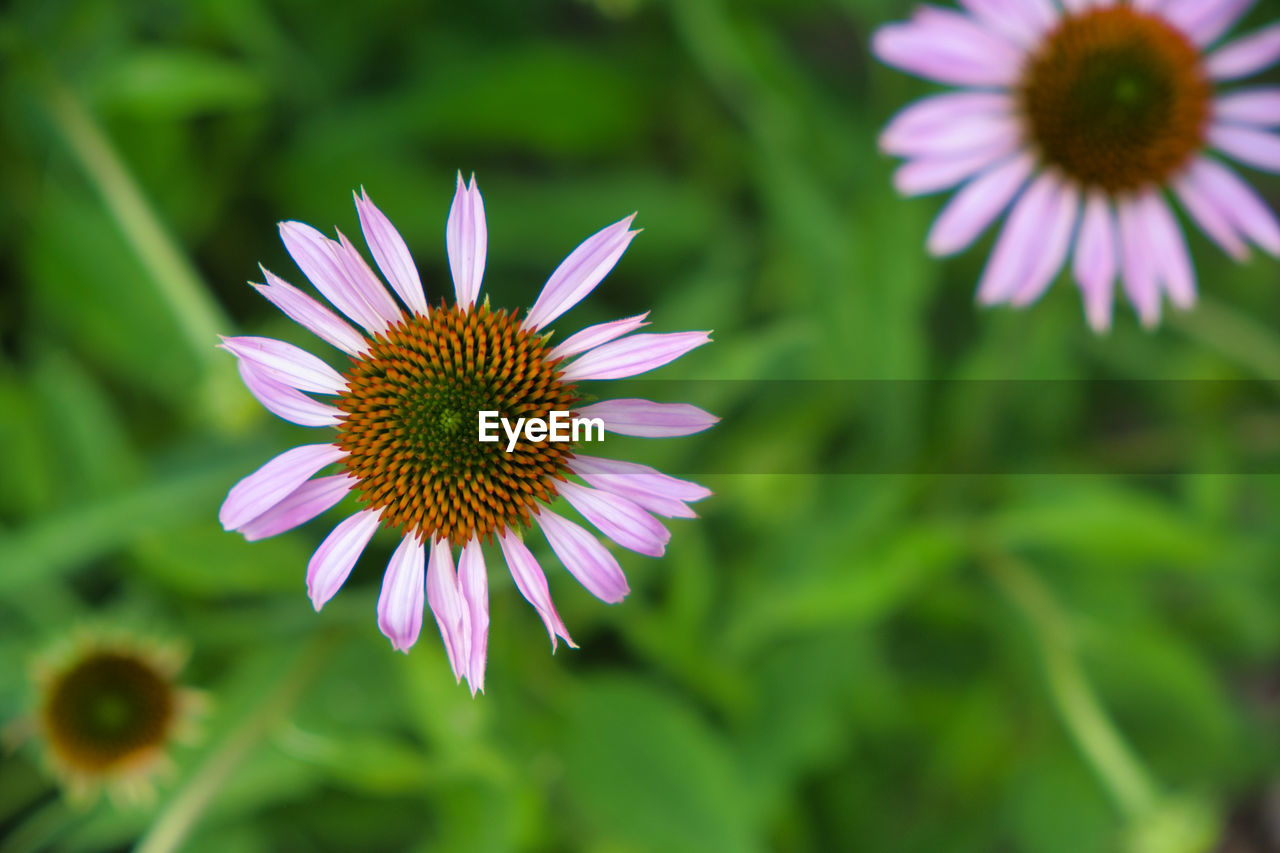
<point>286,402</point>
<point>400,602</point>
<point>633,355</point>
<point>302,504</point>
<point>977,205</point>
<point>287,364</point>
<point>272,483</point>
<point>1018,248</point>
<point>647,487</point>
<point>1246,56</point>
<point>619,518</point>
<point>1140,276</point>
<point>448,608</point>
<point>594,336</point>
<point>390,253</point>
<point>1257,148</point>
<point>1169,248</point>
<point>584,557</point>
<point>1095,260</point>
<point>647,419</point>
<point>467,241</point>
<point>315,256</point>
<point>1212,221</point>
<point>1059,228</point>
<point>579,273</point>
<point>310,314</point>
<point>333,560</point>
<point>532,583</point>
<point>1237,201</point>
<point>473,582</point>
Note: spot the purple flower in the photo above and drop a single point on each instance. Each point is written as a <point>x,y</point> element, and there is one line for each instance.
<point>1081,121</point>
<point>406,416</point>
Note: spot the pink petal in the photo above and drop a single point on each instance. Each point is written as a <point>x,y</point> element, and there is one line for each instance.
<point>648,487</point>
<point>1009,18</point>
<point>303,504</point>
<point>579,273</point>
<point>1237,201</point>
<point>532,583</point>
<point>390,253</point>
<point>1246,56</point>
<point>366,281</point>
<point>315,256</point>
<point>977,205</point>
<point>960,137</point>
<point>1212,221</point>
<point>647,419</point>
<point>594,336</point>
<point>448,608</point>
<point>1259,107</point>
<point>286,364</point>
<point>1095,260</point>
<point>1205,21</point>
<point>619,518</point>
<point>633,355</point>
<point>1173,262</point>
<point>272,483</point>
<point>1140,276</point>
<point>950,48</point>
<point>400,602</point>
<point>466,238</point>
<point>1019,247</point>
<point>311,315</point>
<point>917,123</point>
<point>333,560</point>
<point>930,175</point>
<point>584,557</point>
<point>286,402</point>
<point>1257,148</point>
<point>473,582</point>
<point>1059,228</point>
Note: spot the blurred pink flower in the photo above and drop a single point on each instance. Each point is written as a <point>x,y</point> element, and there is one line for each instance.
<point>1081,120</point>
<point>406,412</point>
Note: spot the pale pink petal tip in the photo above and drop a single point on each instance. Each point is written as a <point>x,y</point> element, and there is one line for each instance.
<point>449,609</point>
<point>400,602</point>
<point>578,274</point>
<point>473,583</point>
<point>466,241</point>
<point>647,419</point>
<point>585,558</point>
<point>333,560</point>
<point>532,583</point>
<point>390,253</point>
<point>273,482</point>
<point>649,488</point>
<point>633,355</point>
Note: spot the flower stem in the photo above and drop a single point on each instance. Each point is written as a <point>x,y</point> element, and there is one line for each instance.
<point>1097,737</point>
<point>182,813</point>
<point>175,278</point>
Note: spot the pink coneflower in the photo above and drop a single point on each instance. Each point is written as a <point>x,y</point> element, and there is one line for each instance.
<point>406,414</point>
<point>1081,118</point>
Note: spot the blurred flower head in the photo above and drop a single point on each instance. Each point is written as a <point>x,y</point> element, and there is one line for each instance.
<point>1082,120</point>
<point>405,414</point>
<point>108,710</point>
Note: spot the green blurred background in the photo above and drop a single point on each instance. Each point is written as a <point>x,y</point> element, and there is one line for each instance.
<point>1033,661</point>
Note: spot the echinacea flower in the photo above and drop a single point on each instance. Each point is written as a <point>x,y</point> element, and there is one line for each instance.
<point>406,411</point>
<point>1082,120</point>
<point>109,710</point>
